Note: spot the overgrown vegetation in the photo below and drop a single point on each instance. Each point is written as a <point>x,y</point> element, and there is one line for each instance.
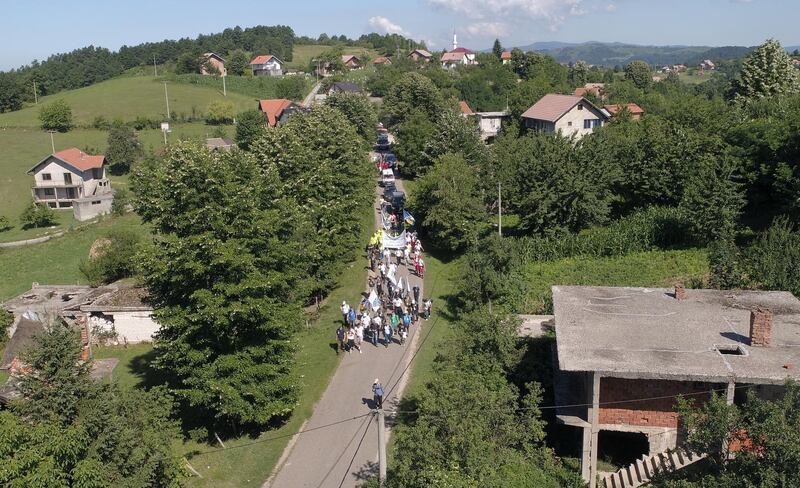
<point>37,215</point>
<point>115,258</point>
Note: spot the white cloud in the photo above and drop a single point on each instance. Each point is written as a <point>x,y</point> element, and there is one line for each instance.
<point>553,12</point>
<point>487,29</point>
<point>386,26</point>
<point>611,7</point>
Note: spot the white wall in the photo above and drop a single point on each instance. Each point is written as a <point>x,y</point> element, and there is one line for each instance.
<point>56,169</point>
<point>576,118</point>
<point>133,327</point>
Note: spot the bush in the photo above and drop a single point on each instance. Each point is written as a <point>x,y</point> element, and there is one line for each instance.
<point>56,116</point>
<point>773,260</point>
<point>115,261</point>
<point>220,112</point>
<point>122,198</point>
<point>5,224</point>
<point>37,215</point>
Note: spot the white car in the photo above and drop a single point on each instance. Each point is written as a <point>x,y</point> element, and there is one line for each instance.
<point>387,176</point>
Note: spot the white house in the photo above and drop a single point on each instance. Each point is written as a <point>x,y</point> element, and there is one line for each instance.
<point>459,56</point>
<point>565,114</point>
<point>490,124</point>
<point>75,180</point>
<point>266,65</point>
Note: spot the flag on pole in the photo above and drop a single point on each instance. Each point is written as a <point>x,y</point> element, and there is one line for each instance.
<point>374,301</point>
<point>409,219</point>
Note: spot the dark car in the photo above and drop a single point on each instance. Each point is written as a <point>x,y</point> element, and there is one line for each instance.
<point>388,190</point>
<point>383,141</point>
<point>390,159</point>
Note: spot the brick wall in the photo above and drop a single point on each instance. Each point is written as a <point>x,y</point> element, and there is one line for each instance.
<point>649,413</point>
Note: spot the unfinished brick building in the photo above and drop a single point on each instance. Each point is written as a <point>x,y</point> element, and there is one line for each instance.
<point>623,354</point>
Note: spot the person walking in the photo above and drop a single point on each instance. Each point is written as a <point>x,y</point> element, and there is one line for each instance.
<point>351,317</point>
<point>377,393</point>
<point>376,329</point>
<point>351,340</point>
<point>345,312</point>
<point>387,334</point>
<point>406,320</point>
<point>399,255</point>
<point>414,311</point>
<point>340,339</point>
<point>427,306</point>
<point>359,336</point>
<point>416,293</point>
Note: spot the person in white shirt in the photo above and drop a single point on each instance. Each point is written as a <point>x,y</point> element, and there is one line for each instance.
<point>345,312</point>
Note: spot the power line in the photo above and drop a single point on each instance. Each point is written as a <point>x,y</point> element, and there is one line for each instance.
<point>347,471</point>
<point>333,465</point>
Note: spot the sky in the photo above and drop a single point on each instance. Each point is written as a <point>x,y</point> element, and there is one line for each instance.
<point>36,29</point>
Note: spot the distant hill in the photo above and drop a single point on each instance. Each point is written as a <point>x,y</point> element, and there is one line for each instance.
<point>615,53</point>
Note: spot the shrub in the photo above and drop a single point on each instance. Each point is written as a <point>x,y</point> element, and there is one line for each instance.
<point>116,261</point>
<point>37,215</point>
<point>6,319</point>
<point>5,224</point>
<point>56,116</point>
<point>122,198</point>
<point>220,112</point>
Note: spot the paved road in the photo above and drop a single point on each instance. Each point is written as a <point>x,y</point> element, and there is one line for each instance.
<point>310,97</point>
<point>320,458</point>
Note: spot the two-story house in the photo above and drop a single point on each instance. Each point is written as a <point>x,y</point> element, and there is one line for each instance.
<point>420,55</point>
<point>215,62</point>
<point>266,65</point>
<point>75,180</point>
<point>566,114</point>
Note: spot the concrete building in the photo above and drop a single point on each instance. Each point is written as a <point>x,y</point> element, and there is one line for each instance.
<point>490,124</point>
<point>622,356</point>
<point>459,56</point>
<point>216,62</point>
<point>72,179</point>
<point>565,114</point>
<point>112,314</point>
<point>266,65</point>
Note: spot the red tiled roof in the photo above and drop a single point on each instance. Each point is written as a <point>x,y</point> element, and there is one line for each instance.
<point>465,108</point>
<point>452,56</point>
<point>580,92</point>
<point>462,50</point>
<point>80,160</point>
<point>552,107</point>
<point>505,55</point>
<point>381,60</point>
<point>273,109</point>
<point>263,59</point>
<point>632,108</point>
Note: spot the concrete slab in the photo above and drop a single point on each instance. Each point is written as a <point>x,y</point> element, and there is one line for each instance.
<point>647,333</point>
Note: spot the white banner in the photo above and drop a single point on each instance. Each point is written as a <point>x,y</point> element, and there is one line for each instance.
<point>398,242</point>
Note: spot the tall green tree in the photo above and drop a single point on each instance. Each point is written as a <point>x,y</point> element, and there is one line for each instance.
<point>412,135</point>
<point>358,110</point>
<point>223,278</point>
<point>579,73</point>
<point>37,215</point>
<point>188,63</point>
<point>448,203</point>
<point>413,91</point>
<point>238,63</point>
<point>123,149</point>
<point>456,134</point>
<point>56,116</point>
<point>67,430</point>
<point>766,72</point>
<point>497,48</point>
<point>639,73</point>
<point>713,199</point>
<point>250,124</point>
<point>321,164</point>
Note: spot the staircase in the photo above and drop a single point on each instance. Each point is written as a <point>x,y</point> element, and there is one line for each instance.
<point>643,470</point>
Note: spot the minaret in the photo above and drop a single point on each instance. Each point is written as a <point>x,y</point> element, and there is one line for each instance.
<point>455,40</point>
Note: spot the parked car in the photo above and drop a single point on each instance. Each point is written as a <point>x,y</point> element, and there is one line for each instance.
<point>387,176</point>
<point>383,141</point>
<point>388,190</point>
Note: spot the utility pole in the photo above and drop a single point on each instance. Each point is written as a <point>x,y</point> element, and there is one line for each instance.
<point>35,95</point>
<point>52,142</point>
<point>381,448</point>
<point>166,97</point>
<point>224,90</point>
<point>155,68</point>
<point>499,211</point>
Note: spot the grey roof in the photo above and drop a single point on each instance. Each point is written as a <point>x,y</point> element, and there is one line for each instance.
<point>54,299</point>
<point>346,86</point>
<point>23,337</point>
<point>647,333</point>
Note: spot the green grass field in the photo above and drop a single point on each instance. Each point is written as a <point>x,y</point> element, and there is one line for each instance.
<point>653,268</point>
<point>56,261</point>
<point>25,147</point>
<point>127,98</point>
<point>303,54</point>
<point>693,77</point>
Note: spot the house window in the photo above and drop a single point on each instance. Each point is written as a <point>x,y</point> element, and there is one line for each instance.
<point>68,178</point>
<point>95,202</point>
<point>49,192</point>
<point>47,177</point>
<point>51,204</point>
<point>580,106</point>
<point>591,123</point>
<point>569,124</point>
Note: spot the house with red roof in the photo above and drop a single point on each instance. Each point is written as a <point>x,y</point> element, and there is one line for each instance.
<point>381,60</point>
<point>420,55</point>
<point>266,65</point>
<point>505,57</point>
<point>214,61</point>
<point>72,179</point>
<point>277,110</point>
<point>565,114</point>
<point>351,61</point>
<point>596,89</point>
<point>633,109</point>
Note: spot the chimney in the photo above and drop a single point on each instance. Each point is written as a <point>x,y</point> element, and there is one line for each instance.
<point>760,327</point>
<point>680,292</point>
